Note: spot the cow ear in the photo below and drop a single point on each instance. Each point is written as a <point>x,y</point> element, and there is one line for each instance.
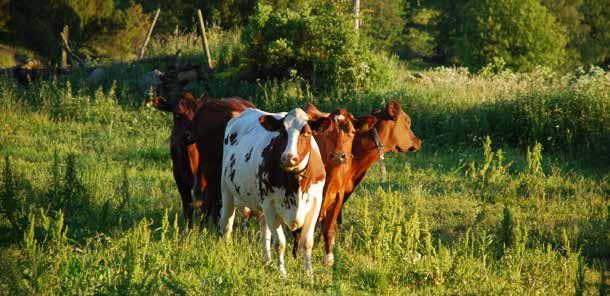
<point>365,123</point>
<point>161,104</point>
<point>320,125</point>
<point>393,109</point>
<point>313,112</point>
<point>270,123</point>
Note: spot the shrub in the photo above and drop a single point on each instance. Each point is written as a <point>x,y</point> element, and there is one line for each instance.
<point>522,32</point>
<point>317,40</point>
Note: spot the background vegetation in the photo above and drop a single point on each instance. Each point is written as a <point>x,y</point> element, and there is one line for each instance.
<point>509,194</point>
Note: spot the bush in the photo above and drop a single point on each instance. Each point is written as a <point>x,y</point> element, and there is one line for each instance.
<point>521,32</point>
<point>317,40</point>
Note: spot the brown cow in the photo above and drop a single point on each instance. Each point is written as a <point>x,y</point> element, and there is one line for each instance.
<point>336,150</point>
<point>392,133</point>
<point>389,131</point>
<point>185,158</point>
<point>208,131</point>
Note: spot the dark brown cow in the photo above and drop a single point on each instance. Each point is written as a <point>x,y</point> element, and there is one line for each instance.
<point>208,130</point>
<point>185,158</point>
<point>183,150</point>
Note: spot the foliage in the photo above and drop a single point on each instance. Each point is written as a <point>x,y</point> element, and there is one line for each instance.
<point>595,49</point>
<point>96,27</point>
<point>383,22</point>
<point>521,32</point>
<point>315,41</point>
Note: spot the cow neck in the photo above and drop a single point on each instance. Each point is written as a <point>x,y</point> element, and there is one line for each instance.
<point>367,149</point>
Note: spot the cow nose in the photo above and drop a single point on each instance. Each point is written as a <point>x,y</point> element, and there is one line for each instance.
<point>338,157</point>
<point>416,146</point>
<point>290,159</point>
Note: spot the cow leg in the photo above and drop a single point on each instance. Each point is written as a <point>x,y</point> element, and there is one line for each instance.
<point>265,241</point>
<point>297,237</point>
<point>328,229</point>
<point>227,215</point>
<point>307,234</point>
<point>187,209</point>
<point>280,241</point>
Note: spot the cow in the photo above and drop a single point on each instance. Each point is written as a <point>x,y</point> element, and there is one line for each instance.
<point>184,152</point>
<point>208,132</point>
<point>336,149</point>
<point>387,131</point>
<point>391,133</point>
<point>185,158</point>
<point>271,163</point>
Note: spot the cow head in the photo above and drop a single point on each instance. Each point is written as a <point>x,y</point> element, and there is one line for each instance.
<point>183,113</point>
<point>295,130</point>
<point>336,142</point>
<point>394,128</point>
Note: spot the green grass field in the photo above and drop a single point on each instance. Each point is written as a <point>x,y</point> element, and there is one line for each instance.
<point>89,205</point>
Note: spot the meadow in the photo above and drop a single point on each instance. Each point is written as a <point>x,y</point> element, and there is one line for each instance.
<point>509,194</point>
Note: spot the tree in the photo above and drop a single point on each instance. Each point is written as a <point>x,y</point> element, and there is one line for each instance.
<point>596,48</point>
<point>521,32</point>
<point>568,13</point>
<point>383,21</point>
<point>315,41</point>
<point>96,27</point>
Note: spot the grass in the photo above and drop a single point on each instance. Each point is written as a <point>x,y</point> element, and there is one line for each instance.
<point>90,206</point>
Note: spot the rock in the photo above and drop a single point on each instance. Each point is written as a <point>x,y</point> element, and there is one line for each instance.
<point>151,79</point>
<point>96,76</point>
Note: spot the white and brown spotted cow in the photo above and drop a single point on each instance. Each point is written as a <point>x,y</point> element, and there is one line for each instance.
<point>271,163</point>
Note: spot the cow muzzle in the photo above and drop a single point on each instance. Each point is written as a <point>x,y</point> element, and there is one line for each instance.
<point>289,161</point>
<point>338,157</point>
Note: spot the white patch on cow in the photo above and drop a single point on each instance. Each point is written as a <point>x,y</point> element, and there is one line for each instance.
<point>245,177</point>
<point>294,122</point>
<point>339,117</point>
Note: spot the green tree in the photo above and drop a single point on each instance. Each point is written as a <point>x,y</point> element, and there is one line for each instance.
<point>382,20</point>
<point>316,41</point>
<point>568,13</point>
<point>36,24</point>
<point>521,32</point>
<point>596,48</point>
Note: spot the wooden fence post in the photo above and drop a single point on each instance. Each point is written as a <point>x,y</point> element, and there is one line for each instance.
<point>150,30</point>
<point>204,40</point>
<point>64,52</point>
<point>356,7</point>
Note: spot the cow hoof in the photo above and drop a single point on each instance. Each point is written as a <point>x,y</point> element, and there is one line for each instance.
<point>309,272</point>
<point>329,260</point>
<point>283,273</point>
<point>266,260</point>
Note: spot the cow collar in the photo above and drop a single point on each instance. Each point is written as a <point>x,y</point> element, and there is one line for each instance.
<point>300,173</point>
<point>378,143</point>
